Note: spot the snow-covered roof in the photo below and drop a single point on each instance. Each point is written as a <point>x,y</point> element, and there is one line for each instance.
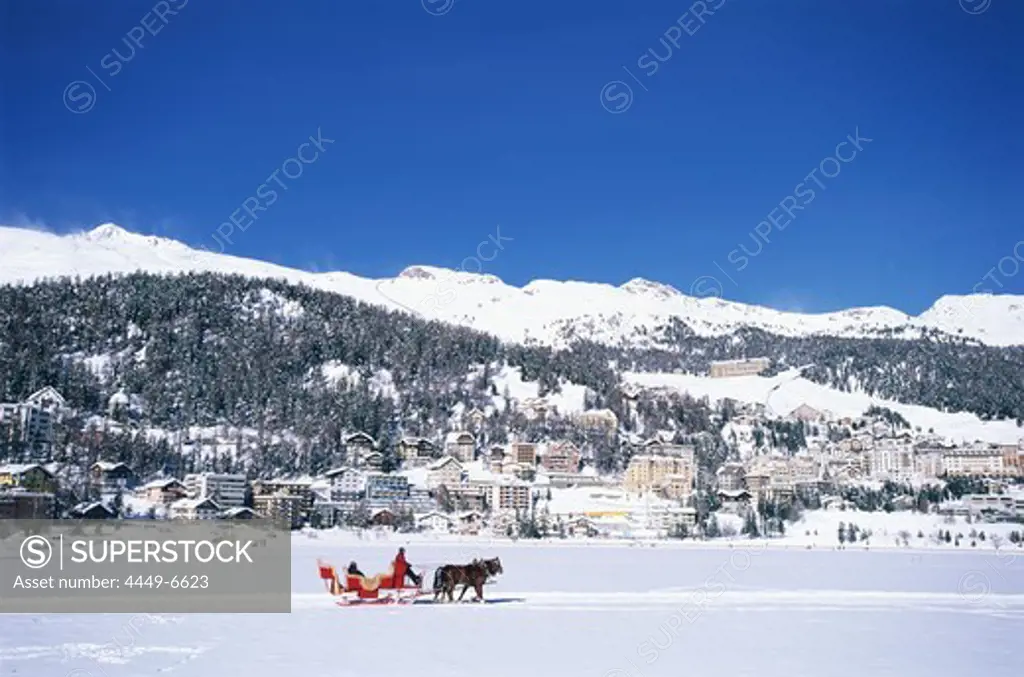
<point>454,437</point>
<point>241,510</point>
<point>161,483</point>
<point>730,466</point>
<point>22,491</point>
<point>83,508</point>
<point>107,466</point>
<point>442,462</point>
<point>20,468</point>
<point>733,493</point>
<point>290,481</point>
<point>46,393</point>
<point>360,436</point>
<point>194,504</point>
<point>742,360</point>
<point>433,514</point>
<point>561,447</point>
<point>658,458</point>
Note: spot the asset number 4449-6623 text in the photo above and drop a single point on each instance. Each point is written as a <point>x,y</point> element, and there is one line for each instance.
<point>193,581</point>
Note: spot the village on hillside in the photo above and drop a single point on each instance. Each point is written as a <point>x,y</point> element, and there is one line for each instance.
<point>778,468</point>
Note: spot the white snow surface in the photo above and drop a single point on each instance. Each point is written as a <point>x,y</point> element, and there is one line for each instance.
<point>585,608</point>
<point>784,392</point>
<point>380,381</point>
<point>568,400</point>
<point>546,311</point>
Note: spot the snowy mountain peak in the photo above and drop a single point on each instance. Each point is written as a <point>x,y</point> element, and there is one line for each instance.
<point>111,234</point>
<point>417,273</point>
<point>644,287</point>
<point>108,231</point>
<point>991,315</point>
<point>953,305</point>
<point>420,272</point>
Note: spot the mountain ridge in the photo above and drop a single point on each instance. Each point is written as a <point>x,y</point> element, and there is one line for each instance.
<point>549,312</point>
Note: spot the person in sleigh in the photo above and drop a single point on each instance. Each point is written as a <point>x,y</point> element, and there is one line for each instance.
<point>402,568</point>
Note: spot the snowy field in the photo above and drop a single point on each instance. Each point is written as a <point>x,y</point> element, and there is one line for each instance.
<point>582,609</point>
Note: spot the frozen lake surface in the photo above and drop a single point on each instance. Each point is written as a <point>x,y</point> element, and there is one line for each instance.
<point>596,610</point>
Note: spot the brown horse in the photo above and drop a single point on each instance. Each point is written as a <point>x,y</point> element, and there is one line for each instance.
<point>474,574</point>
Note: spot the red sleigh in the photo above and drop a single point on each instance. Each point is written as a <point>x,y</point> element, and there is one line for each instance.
<point>386,588</point>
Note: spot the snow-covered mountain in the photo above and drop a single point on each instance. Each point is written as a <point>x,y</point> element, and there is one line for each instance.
<point>545,311</point>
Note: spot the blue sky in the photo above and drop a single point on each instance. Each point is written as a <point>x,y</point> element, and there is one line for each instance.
<point>449,119</point>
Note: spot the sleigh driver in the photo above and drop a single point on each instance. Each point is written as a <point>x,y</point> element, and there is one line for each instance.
<point>402,568</point>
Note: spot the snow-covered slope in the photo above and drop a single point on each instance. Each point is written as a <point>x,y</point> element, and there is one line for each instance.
<point>784,392</point>
<point>996,320</point>
<point>545,311</point>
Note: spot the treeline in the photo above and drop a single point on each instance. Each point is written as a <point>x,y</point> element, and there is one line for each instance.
<point>302,367</point>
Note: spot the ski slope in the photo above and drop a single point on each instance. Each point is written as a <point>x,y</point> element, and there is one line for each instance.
<point>587,609</point>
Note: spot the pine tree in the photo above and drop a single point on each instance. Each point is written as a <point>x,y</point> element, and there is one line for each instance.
<point>712,529</point>
<point>750,525</point>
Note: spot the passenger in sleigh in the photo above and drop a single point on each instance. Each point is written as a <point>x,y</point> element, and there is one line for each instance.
<point>363,581</point>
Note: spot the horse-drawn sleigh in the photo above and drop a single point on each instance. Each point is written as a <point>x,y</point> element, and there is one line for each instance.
<point>390,588</point>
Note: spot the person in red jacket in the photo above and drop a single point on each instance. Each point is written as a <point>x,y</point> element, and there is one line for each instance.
<point>402,569</point>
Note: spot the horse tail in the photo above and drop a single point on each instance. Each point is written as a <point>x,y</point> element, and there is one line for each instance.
<point>438,579</point>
